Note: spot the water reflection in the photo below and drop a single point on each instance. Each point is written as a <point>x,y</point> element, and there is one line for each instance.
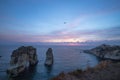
<point>27,75</point>
<point>49,69</point>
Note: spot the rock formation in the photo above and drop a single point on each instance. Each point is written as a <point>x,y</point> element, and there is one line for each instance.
<point>106,52</point>
<point>49,57</point>
<point>21,59</point>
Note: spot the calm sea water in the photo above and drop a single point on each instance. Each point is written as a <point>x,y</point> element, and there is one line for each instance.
<point>66,58</point>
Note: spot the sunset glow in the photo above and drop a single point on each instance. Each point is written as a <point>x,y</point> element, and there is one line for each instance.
<point>59,20</point>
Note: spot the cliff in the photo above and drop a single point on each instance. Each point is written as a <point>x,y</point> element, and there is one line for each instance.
<point>106,52</point>
<point>49,57</point>
<point>105,70</point>
<point>21,59</point>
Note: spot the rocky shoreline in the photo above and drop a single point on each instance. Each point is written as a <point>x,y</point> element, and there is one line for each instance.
<point>106,52</point>
<point>105,70</point>
<point>25,57</point>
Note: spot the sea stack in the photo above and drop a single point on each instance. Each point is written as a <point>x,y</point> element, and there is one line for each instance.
<point>49,57</point>
<point>21,59</point>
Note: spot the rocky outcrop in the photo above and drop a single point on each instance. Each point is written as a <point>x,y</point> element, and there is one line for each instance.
<point>49,57</point>
<point>21,59</point>
<point>106,52</point>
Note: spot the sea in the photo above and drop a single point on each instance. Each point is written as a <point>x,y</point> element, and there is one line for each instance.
<point>66,58</point>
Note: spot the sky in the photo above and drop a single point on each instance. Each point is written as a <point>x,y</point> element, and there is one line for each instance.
<point>59,20</point>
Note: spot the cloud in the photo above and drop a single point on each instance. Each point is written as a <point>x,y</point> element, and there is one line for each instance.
<point>111,33</point>
<point>34,38</point>
<point>84,35</point>
<point>103,34</point>
<point>77,21</point>
<point>65,36</point>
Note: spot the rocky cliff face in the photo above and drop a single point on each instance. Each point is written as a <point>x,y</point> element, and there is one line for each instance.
<point>22,58</point>
<point>49,57</point>
<point>106,52</point>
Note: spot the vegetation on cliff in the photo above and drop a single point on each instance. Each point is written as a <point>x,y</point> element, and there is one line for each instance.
<point>105,70</point>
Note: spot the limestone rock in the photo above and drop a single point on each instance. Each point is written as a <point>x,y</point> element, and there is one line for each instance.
<point>106,52</point>
<point>22,58</point>
<point>49,57</point>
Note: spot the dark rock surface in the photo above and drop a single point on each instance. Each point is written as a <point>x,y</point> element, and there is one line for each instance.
<point>106,52</point>
<point>49,57</point>
<point>21,59</point>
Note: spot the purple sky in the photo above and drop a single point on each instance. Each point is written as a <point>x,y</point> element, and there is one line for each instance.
<point>59,20</point>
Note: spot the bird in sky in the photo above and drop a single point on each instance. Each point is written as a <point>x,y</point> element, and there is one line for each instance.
<point>64,22</point>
